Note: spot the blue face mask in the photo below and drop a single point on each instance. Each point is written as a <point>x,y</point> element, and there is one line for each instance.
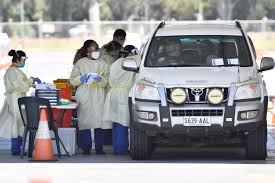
<point>121,42</point>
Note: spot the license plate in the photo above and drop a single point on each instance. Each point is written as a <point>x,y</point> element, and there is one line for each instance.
<point>196,121</point>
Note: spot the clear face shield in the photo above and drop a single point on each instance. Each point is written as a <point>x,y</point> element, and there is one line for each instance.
<point>23,59</point>
<point>135,51</point>
<point>124,53</point>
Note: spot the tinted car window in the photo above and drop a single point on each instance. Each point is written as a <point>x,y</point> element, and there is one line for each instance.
<point>198,51</point>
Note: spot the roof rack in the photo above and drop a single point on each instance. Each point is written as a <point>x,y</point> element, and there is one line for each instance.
<point>161,25</point>
<point>239,25</point>
<point>247,42</point>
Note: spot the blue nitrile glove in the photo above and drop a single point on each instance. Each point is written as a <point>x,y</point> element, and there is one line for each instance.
<point>38,81</point>
<point>98,78</point>
<point>83,78</point>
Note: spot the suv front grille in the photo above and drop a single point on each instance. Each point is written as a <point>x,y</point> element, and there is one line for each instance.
<point>178,113</point>
<point>201,93</point>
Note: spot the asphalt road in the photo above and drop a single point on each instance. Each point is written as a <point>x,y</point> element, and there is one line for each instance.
<point>160,155</point>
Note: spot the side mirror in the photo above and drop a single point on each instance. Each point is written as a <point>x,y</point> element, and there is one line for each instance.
<point>267,63</point>
<point>130,64</point>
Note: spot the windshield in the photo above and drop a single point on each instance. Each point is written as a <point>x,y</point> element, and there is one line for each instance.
<point>198,51</point>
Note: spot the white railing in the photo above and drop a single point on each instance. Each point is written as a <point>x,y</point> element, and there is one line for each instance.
<point>98,28</point>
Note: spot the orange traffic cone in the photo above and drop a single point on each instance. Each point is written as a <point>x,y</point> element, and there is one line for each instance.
<point>43,149</point>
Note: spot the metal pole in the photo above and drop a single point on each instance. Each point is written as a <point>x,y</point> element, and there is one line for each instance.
<point>22,20</point>
<point>146,10</point>
<point>200,13</point>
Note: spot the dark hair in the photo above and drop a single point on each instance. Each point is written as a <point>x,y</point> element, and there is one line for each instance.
<point>129,48</point>
<point>119,32</point>
<point>83,51</point>
<point>113,45</point>
<point>126,51</point>
<point>16,54</point>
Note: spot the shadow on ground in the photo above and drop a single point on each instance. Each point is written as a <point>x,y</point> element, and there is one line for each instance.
<point>160,155</point>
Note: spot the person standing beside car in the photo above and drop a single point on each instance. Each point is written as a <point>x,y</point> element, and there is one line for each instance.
<point>116,109</point>
<point>111,54</point>
<point>90,95</point>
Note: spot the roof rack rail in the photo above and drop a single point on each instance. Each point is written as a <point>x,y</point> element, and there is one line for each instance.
<point>161,25</point>
<point>239,25</point>
<point>247,42</point>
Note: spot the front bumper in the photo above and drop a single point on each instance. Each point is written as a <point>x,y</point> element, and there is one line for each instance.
<point>225,123</point>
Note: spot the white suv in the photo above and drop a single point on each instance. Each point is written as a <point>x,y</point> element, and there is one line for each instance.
<point>198,84</point>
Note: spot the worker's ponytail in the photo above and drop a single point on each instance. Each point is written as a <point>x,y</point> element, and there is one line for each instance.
<point>77,55</point>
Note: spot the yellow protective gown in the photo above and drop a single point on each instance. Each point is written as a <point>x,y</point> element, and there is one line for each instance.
<point>90,97</point>
<point>102,50</point>
<point>108,59</point>
<point>116,108</point>
<point>16,84</point>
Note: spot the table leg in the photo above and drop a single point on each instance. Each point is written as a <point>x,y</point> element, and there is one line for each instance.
<point>75,125</point>
<point>64,147</point>
<point>60,117</point>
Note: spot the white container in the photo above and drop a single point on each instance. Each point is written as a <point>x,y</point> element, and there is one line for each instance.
<point>68,137</point>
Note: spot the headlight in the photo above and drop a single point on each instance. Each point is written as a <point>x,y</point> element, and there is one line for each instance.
<point>244,115</point>
<point>145,115</point>
<point>146,92</point>
<point>178,96</point>
<point>248,91</point>
<point>215,96</point>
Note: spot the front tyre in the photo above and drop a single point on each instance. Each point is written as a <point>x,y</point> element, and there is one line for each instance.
<point>140,144</point>
<point>256,144</point>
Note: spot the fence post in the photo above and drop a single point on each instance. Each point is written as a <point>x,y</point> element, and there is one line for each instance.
<point>22,20</point>
<point>264,22</point>
<point>40,28</point>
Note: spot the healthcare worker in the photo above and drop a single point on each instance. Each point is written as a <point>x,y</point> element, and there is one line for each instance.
<point>111,54</point>
<point>116,109</point>
<point>17,85</point>
<point>90,75</point>
<point>119,36</point>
